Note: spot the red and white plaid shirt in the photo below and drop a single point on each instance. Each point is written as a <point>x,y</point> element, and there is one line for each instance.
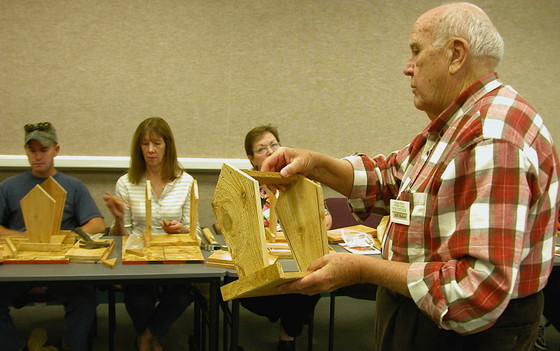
<point>482,183</point>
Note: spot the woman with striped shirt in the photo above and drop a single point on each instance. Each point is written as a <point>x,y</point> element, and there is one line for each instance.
<point>153,157</point>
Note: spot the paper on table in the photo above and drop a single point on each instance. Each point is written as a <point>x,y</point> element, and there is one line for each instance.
<point>358,242</point>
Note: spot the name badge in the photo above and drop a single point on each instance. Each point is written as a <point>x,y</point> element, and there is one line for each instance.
<point>400,212</point>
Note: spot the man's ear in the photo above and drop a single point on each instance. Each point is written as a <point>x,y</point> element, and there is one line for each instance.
<point>56,149</point>
<point>458,55</point>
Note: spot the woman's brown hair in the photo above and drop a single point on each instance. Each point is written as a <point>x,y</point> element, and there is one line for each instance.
<point>153,126</point>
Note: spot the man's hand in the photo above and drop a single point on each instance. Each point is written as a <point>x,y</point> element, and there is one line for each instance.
<point>335,173</point>
<point>330,272</point>
<point>172,227</point>
<point>289,162</point>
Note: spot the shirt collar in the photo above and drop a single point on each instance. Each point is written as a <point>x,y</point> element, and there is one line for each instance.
<point>463,103</point>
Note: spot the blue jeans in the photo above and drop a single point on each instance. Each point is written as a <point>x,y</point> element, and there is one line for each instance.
<point>79,303</point>
<point>141,304</point>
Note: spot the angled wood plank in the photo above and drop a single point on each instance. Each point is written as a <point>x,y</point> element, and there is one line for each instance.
<point>193,220</point>
<point>12,248</point>
<point>270,177</point>
<point>38,209</point>
<point>302,217</point>
<point>57,192</point>
<point>236,203</point>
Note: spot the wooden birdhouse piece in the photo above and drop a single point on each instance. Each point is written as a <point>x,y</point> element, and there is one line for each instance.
<point>42,209</point>
<point>238,209</point>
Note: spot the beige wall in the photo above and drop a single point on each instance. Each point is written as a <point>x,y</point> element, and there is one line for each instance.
<point>327,72</point>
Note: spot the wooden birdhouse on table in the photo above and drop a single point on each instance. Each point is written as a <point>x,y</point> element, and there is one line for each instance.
<point>238,209</point>
<point>42,209</point>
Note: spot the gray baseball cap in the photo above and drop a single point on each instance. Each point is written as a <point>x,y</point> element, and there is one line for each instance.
<point>43,132</point>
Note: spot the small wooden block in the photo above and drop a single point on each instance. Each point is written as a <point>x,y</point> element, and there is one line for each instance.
<point>111,262</point>
<point>135,252</point>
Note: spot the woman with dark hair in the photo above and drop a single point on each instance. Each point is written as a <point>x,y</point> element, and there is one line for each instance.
<point>153,157</point>
<point>292,310</point>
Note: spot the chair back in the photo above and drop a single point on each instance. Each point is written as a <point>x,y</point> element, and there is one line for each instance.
<point>343,217</point>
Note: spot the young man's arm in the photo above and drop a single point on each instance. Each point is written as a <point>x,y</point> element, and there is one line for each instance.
<point>94,226</point>
<point>5,231</point>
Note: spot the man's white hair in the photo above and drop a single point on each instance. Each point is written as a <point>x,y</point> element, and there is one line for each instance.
<point>467,21</point>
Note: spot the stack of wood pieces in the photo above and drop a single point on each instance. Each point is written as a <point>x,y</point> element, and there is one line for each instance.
<point>168,248</point>
<point>18,249</point>
<point>79,254</point>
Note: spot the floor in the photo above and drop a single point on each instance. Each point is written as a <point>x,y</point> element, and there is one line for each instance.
<point>354,319</point>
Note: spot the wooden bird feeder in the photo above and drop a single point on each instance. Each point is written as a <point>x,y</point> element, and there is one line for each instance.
<point>238,209</point>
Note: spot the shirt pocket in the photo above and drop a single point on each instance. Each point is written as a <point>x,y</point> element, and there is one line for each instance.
<point>411,243</point>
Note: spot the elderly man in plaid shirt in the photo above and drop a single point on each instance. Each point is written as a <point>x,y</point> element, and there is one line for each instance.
<point>472,200</point>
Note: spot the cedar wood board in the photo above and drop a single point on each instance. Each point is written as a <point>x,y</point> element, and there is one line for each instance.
<point>57,192</point>
<point>38,209</point>
<point>42,210</point>
<point>238,210</point>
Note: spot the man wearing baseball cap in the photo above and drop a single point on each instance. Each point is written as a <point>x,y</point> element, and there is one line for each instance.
<point>41,146</point>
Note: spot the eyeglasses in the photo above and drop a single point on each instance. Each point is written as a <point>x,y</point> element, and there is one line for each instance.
<point>263,149</point>
<point>37,126</point>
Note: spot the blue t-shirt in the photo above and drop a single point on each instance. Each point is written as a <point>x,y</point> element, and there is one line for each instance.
<point>78,209</point>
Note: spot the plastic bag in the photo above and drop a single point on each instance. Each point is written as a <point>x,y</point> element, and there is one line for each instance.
<point>355,238</point>
<point>134,242</point>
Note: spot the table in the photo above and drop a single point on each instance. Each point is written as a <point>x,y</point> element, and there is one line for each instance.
<point>98,274</point>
